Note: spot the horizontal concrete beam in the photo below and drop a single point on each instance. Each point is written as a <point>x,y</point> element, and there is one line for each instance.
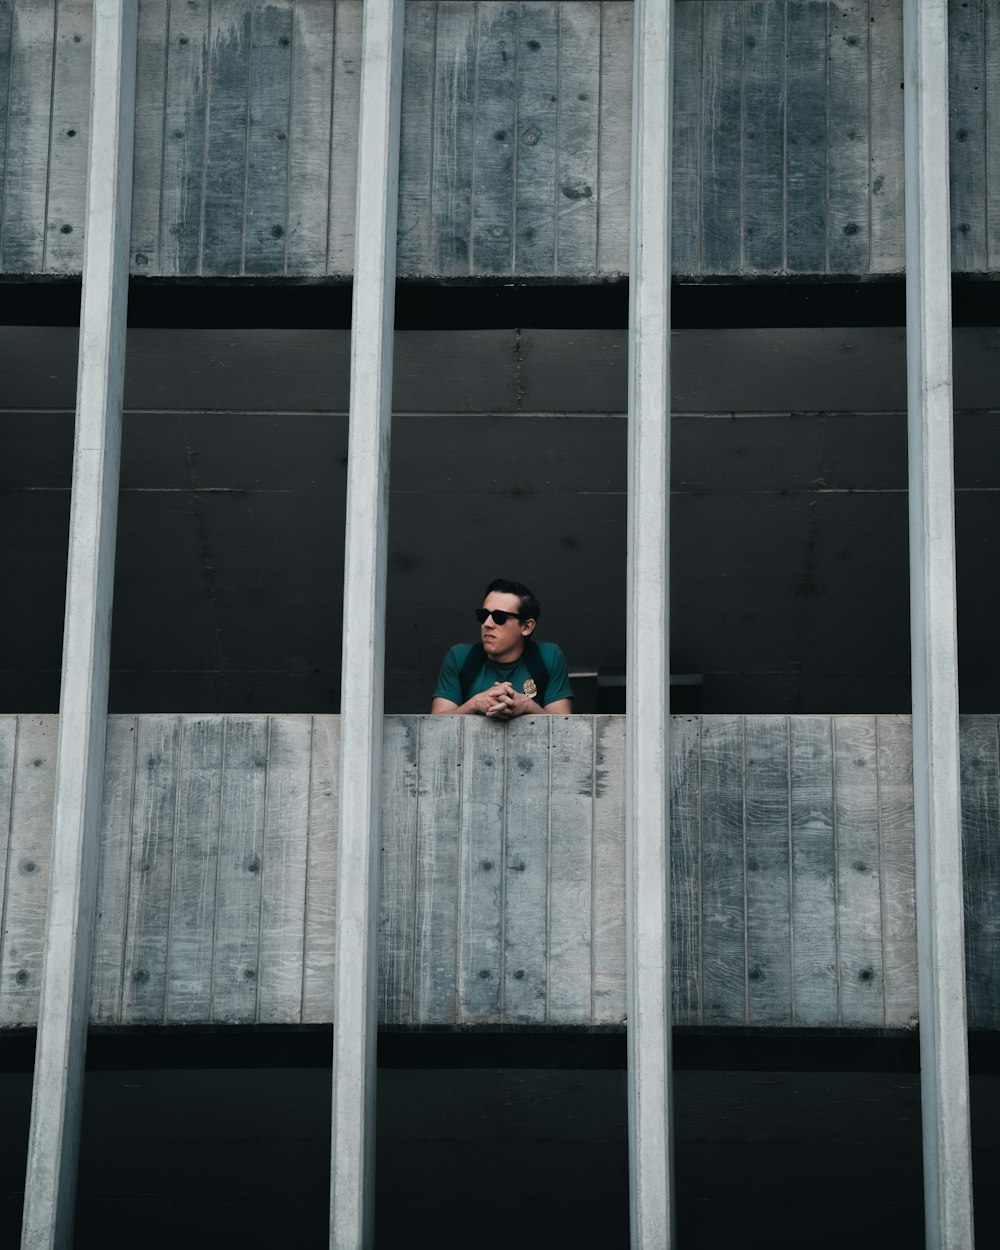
<point>792,873</point>
<point>787,138</point>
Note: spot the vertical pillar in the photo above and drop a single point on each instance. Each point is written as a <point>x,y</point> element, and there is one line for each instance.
<point>933,627</point>
<point>57,1097</point>
<point>356,977</point>
<point>647,844</point>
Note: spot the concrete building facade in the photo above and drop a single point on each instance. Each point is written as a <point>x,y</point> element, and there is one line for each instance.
<point>317,316</point>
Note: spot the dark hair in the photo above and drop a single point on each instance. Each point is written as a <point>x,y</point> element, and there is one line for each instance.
<point>530,607</point>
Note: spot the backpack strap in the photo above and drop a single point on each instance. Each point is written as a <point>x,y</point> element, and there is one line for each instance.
<point>532,656</point>
<point>471,668</point>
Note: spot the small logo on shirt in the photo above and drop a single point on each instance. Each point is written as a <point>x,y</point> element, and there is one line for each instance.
<point>529,688</point>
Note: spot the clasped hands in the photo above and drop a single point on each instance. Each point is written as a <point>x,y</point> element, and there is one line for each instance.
<point>502,701</point>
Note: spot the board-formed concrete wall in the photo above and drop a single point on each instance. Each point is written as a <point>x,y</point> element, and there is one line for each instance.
<point>515,137</point>
<point>502,870</point>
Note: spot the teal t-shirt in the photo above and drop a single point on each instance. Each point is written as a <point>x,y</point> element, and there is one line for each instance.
<point>517,673</point>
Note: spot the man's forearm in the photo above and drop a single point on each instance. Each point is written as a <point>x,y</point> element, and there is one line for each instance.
<point>477,705</point>
<point>503,708</point>
<point>444,707</point>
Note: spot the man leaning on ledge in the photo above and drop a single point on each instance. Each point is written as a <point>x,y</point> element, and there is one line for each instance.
<point>508,673</point>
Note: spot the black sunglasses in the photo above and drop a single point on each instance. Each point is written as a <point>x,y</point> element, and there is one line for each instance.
<point>500,617</point>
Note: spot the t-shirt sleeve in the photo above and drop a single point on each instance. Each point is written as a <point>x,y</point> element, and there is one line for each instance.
<point>448,685</point>
<point>558,687</point>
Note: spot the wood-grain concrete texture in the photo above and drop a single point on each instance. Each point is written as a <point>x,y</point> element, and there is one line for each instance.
<point>788,137</point>
<point>502,870</point>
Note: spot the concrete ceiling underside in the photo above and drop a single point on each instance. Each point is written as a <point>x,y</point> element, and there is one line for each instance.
<point>789,579</point>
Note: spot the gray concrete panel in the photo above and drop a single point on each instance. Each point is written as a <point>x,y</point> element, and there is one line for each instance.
<point>845,805</point>
<point>788,138</point>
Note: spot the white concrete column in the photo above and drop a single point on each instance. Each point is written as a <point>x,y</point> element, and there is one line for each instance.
<point>934,640</point>
<point>647,839</point>
<point>57,1098</point>
<point>356,978</point>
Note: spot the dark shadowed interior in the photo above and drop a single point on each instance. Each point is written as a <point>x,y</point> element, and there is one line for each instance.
<point>789,581</point>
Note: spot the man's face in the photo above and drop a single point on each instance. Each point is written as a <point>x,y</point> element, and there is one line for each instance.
<point>504,642</point>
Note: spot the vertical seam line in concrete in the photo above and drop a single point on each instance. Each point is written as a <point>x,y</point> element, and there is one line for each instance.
<point>514,139</point>
<point>6,147</point>
<point>593,865</point>
<point>784,157</point>
<point>985,208</point>
<point>429,213</point>
<point>10,830</point>
<point>836,864</point>
<point>868,131</point>
<point>701,149</point>
<point>414,1015</point>
<point>600,138</point>
<point>701,878</point>
<point>555,167</point>
<point>122,992</point>
<point>48,158</point>
<point>827,221</point>
<point>305,893</point>
<point>503,886</point>
<point>334,53</point>
<point>289,136</point>
<point>163,140</point>
<point>546,963</point>
<point>246,146</point>
<point>218,863</point>
<point>984,44</point>
<point>881,881</point>
<point>202,208</point>
<point>181,735</point>
<point>459,909</point>
<point>990,244</point>
<point>741,721</point>
<point>475,126</point>
<point>791,869</point>
<point>263,870</point>
<point>176,722</point>
<point>431,233</point>
<point>742,210</point>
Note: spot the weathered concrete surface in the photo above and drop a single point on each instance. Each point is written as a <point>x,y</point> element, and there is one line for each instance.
<point>787,137</point>
<point>792,873</point>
